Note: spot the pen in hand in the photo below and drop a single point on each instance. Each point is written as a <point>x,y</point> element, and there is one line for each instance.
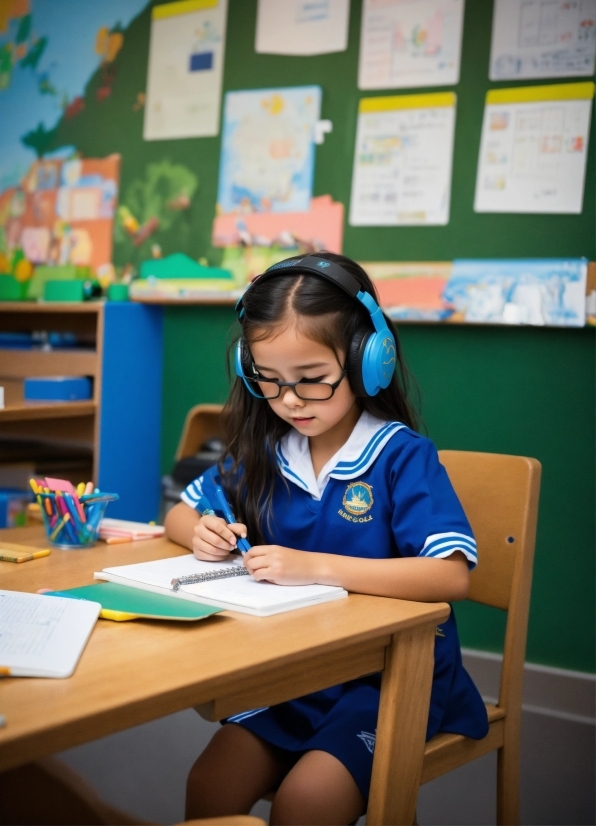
<point>205,509</point>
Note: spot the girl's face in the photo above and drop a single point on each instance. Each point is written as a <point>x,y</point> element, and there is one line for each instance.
<point>289,355</point>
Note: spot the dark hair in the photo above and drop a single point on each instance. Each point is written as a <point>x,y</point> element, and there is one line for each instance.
<point>251,428</point>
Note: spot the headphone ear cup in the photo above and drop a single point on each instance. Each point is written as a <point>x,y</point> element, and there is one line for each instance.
<point>242,360</point>
<point>355,359</point>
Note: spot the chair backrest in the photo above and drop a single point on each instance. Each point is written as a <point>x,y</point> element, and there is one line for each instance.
<point>201,423</point>
<point>499,494</point>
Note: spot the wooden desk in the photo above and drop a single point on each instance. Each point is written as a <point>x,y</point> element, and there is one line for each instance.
<point>134,672</point>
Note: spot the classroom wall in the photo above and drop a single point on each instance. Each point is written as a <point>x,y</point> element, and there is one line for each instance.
<point>516,390</point>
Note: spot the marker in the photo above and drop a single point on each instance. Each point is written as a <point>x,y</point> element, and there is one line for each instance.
<point>243,545</point>
<point>117,540</point>
<point>59,526</point>
<point>203,506</point>
<point>26,558</point>
<point>4,671</point>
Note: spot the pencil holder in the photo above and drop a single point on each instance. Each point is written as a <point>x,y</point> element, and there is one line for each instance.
<point>72,523</point>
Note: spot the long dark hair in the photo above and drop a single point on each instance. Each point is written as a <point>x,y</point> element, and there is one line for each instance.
<point>251,428</point>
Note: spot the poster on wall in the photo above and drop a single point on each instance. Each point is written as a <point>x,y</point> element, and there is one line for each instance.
<point>63,212</point>
<point>184,75</point>
<point>302,27</point>
<point>533,149</point>
<point>540,292</point>
<point>407,43</point>
<point>268,150</point>
<point>542,38</point>
<point>403,160</point>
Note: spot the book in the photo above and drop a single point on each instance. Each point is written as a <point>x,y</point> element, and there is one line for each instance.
<point>126,529</point>
<point>120,603</point>
<point>43,636</point>
<point>226,585</point>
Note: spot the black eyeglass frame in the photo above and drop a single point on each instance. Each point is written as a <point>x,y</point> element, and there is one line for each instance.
<point>295,384</point>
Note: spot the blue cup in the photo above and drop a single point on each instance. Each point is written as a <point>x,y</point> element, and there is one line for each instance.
<point>65,526</point>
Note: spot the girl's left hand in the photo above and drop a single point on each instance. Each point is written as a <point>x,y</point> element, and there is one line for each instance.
<point>284,566</point>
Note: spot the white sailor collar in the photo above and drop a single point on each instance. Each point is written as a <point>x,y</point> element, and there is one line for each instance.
<point>367,440</point>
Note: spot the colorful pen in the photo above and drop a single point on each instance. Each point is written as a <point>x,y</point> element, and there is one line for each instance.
<point>243,545</point>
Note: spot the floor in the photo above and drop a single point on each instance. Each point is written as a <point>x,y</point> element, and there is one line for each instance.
<point>143,770</point>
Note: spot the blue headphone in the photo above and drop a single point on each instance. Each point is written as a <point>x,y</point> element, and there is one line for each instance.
<point>371,355</point>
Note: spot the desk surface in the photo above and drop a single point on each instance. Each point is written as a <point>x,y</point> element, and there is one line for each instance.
<point>136,671</point>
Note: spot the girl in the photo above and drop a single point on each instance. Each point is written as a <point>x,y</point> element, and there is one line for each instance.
<point>334,486</point>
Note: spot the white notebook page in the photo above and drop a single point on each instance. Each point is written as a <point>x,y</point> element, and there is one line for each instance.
<point>241,591</point>
<point>43,636</point>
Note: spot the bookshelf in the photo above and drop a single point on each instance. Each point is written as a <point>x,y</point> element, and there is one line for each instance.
<point>116,434</point>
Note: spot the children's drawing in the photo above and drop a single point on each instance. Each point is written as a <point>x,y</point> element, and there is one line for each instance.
<point>267,155</point>
<point>549,292</point>
<point>62,212</point>
<point>153,203</point>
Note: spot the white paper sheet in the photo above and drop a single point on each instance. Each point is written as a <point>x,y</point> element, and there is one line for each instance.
<point>43,636</point>
<point>533,149</point>
<point>406,43</point>
<point>542,38</point>
<point>184,76</point>
<point>302,27</point>
<point>403,160</point>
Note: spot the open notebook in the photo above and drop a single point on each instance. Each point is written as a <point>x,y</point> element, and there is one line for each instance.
<point>43,636</point>
<point>234,592</point>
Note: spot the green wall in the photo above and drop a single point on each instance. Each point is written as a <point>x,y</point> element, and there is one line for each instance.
<point>515,390</point>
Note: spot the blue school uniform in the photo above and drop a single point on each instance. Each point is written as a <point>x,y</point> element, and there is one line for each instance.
<point>384,494</point>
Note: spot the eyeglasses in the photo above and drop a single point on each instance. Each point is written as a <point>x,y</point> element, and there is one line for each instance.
<point>308,391</point>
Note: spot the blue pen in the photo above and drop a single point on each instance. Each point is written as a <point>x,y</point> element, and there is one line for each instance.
<point>243,545</point>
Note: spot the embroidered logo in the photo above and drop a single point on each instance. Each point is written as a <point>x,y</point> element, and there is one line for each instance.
<point>368,739</point>
<point>358,498</point>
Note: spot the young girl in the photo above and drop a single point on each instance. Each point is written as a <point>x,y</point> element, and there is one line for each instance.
<point>332,485</point>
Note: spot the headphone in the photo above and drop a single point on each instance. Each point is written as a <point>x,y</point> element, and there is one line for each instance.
<point>371,354</point>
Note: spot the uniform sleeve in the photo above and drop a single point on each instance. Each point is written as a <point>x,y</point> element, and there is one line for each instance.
<point>428,519</point>
<point>203,486</point>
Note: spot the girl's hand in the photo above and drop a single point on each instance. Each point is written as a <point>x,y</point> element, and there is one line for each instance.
<point>284,566</point>
<point>213,538</point>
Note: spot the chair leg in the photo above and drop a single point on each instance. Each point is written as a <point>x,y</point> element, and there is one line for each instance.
<point>508,767</point>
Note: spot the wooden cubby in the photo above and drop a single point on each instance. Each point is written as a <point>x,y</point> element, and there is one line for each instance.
<point>118,429</point>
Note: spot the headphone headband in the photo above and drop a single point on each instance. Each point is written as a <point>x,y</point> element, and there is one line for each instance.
<point>309,264</point>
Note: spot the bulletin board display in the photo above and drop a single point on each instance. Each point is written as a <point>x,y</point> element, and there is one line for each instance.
<point>109,118</point>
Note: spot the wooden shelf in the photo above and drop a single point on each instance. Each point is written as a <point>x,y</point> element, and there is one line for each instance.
<point>188,302</point>
<point>16,364</point>
<point>51,306</point>
<point>46,410</point>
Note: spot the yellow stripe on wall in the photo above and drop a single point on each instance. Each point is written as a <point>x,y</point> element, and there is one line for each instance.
<point>181,7</point>
<point>530,94</point>
<point>386,104</point>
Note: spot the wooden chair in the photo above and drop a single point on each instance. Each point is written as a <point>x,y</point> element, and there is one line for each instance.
<point>202,422</point>
<point>500,497</point>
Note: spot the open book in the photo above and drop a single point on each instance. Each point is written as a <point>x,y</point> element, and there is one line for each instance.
<point>231,589</point>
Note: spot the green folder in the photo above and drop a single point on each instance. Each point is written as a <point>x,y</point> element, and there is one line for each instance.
<point>119,602</point>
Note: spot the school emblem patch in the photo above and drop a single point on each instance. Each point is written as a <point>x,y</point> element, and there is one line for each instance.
<point>358,498</point>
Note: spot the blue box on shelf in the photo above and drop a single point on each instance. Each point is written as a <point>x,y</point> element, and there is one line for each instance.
<point>57,388</point>
<point>13,507</point>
